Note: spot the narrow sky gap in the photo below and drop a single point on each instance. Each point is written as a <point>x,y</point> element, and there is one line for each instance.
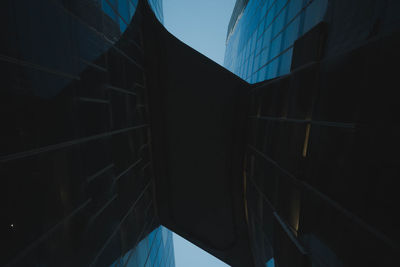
<point>200,24</point>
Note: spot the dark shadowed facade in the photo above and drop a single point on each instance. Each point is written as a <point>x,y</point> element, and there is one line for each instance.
<point>320,160</point>
<point>75,158</point>
<point>112,127</point>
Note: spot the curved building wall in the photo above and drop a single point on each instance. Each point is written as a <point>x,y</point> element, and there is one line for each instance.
<point>157,6</point>
<point>260,45</point>
<point>74,154</point>
<point>312,196</point>
<point>120,11</point>
<point>156,249</point>
<point>261,39</point>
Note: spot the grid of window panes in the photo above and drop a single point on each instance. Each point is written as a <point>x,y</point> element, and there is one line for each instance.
<point>156,250</point>
<point>260,46</point>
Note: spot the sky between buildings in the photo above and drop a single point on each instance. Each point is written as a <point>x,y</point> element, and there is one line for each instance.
<point>201,24</point>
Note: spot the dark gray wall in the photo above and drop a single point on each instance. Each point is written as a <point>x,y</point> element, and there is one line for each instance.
<point>197,115</point>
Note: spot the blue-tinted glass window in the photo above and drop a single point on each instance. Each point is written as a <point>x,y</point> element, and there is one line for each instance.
<point>109,10</point>
<point>270,263</point>
<point>123,9</point>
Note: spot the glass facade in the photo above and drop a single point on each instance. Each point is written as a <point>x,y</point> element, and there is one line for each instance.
<point>156,250</point>
<point>77,180</point>
<point>120,11</point>
<point>157,6</point>
<point>270,263</point>
<point>309,192</point>
<point>303,166</point>
<point>259,43</point>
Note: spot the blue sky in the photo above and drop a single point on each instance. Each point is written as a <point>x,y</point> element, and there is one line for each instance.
<point>201,24</point>
<point>187,254</point>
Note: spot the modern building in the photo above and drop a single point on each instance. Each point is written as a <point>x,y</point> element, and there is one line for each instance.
<point>157,6</point>
<point>73,97</point>
<point>316,181</point>
<point>156,249</point>
<point>112,129</point>
<point>262,33</point>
